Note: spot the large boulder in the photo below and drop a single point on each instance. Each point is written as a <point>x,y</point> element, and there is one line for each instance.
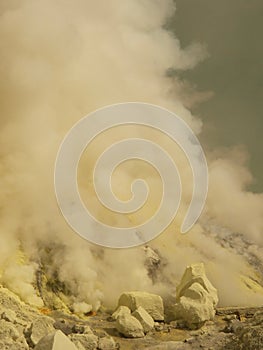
<point>129,326</point>
<point>195,273</point>
<point>192,313</point>
<point>55,341</point>
<point>145,319</point>
<point>196,298</point>
<point>152,303</point>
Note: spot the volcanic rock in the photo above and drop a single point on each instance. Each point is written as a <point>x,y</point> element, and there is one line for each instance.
<point>121,310</point>
<point>145,319</point>
<point>11,302</point>
<point>40,327</point>
<point>81,329</point>
<point>248,335</point>
<point>10,337</point>
<point>55,341</point>
<point>88,341</point>
<point>9,315</point>
<point>65,326</point>
<point>106,343</point>
<point>152,303</point>
<point>195,273</point>
<point>196,298</point>
<point>129,326</point>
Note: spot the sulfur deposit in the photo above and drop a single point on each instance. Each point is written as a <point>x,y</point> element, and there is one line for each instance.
<point>196,298</point>
<point>152,303</point>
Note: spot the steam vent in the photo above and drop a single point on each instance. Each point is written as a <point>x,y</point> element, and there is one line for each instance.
<point>131,204</point>
<point>187,320</point>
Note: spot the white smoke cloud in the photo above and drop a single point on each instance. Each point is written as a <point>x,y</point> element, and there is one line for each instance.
<point>60,61</point>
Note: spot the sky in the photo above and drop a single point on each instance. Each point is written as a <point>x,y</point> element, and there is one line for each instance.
<point>232,33</point>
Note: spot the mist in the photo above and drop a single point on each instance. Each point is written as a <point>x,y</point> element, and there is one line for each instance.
<point>60,61</point>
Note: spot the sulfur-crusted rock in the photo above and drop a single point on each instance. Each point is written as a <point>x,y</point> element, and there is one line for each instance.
<point>81,329</point>
<point>196,298</point>
<point>10,304</point>
<point>40,327</point>
<point>11,337</point>
<point>145,319</point>
<point>9,315</point>
<point>193,313</point>
<point>195,273</point>
<point>152,303</point>
<point>107,343</point>
<point>19,344</point>
<point>8,330</point>
<point>152,262</point>
<point>88,341</point>
<point>129,326</point>
<point>121,310</point>
<point>248,334</point>
<point>152,258</point>
<point>64,326</point>
<point>55,341</point>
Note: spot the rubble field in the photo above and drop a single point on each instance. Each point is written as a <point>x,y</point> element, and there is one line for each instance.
<point>140,321</point>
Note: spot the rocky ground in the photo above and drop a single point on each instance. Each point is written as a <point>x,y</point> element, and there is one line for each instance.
<point>22,327</point>
<point>146,324</point>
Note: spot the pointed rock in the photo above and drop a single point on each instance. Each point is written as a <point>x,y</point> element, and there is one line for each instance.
<point>55,341</point>
<point>195,273</point>
<point>196,298</point>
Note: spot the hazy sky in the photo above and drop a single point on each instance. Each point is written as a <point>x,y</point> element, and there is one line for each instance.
<point>232,31</point>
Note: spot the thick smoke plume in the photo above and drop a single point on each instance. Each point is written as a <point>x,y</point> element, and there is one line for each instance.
<point>61,60</point>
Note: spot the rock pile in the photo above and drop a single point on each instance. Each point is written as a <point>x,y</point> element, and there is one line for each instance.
<point>23,328</point>
<point>138,315</point>
<point>137,312</point>
<point>248,335</point>
<point>196,298</point>
<point>152,303</point>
